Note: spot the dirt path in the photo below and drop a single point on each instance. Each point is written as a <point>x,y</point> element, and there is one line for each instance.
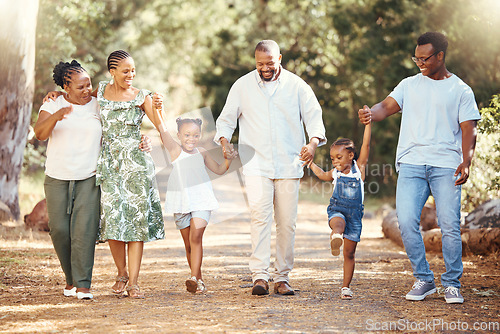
<point>31,284</point>
<point>31,288</point>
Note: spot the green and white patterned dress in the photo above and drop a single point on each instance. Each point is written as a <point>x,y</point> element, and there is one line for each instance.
<point>130,202</point>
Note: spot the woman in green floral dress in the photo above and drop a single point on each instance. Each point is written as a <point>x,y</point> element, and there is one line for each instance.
<point>130,204</point>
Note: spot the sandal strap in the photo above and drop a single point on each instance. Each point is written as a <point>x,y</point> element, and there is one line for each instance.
<point>133,288</point>
<point>123,279</point>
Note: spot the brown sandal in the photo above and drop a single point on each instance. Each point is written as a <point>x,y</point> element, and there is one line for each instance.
<point>134,291</point>
<point>122,279</point>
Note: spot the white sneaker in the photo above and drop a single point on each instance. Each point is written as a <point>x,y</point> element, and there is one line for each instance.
<point>84,295</point>
<point>336,241</point>
<point>70,292</point>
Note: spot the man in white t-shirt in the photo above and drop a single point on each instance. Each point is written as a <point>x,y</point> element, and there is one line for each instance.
<point>271,106</point>
<point>436,144</point>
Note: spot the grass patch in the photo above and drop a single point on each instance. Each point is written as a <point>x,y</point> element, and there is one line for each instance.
<point>8,258</point>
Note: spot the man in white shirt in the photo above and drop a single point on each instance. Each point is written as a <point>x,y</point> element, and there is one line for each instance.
<point>434,153</point>
<point>272,105</point>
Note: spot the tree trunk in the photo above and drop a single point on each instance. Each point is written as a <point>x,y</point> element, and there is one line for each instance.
<point>17,72</point>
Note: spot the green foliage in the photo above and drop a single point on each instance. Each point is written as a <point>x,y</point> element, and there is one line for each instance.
<point>77,29</point>
<point>472,28</point>
<point>490,117</point>
<point>352,52</point>
<point>484,182</point>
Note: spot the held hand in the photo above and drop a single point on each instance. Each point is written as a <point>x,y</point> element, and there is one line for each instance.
<point>228,150</point>
<point>52,96</point>
<point>146,144</point>
<point>307,154</point>
<point>463,171</point>
<point>63,112</point>
<point>365,115</point>
<point>157,101</point>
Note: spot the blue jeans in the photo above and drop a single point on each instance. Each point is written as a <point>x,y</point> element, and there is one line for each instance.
<point>415,183</point>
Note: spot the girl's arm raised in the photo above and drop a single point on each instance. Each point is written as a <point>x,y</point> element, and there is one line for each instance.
<point>213,165</point>
<point>321,174</point>
<point>365,150</point>
<point>156,116</point>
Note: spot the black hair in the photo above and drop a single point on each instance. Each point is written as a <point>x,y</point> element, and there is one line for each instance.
<point>115,57</point>
<point>182,121</point>
<point>437,39</point>
<point>268,45</point>
<point>63,71</point>
<point>348,145</point>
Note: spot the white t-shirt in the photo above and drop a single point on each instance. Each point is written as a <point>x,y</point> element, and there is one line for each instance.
<point>75,142</point>
<point>432,111</point>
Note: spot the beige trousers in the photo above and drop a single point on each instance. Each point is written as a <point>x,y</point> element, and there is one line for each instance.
<point>265,196</point>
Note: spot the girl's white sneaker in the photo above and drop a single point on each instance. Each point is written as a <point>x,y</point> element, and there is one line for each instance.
<point>192,284</point>
<point>335,243</point>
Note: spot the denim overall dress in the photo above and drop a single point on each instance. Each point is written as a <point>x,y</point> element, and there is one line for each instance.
<point>347,203</point>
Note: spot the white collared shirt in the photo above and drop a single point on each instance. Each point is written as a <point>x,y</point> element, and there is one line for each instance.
<point>271,123</point>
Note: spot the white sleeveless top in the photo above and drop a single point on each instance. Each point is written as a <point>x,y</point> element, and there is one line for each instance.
<point>189,187</point>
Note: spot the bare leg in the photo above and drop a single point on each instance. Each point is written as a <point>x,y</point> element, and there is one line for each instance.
<point>349,261</point>
<point>337,225</point>
<point>117,249</point>
<point>185,237</point>
<point>196,242</point>
<point>135,250</point>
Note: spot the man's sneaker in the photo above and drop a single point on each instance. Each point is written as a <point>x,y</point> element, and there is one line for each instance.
<point>420,290</point>
<point>452,295</point>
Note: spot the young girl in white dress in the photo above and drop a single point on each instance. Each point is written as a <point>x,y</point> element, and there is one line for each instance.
<point>189,192</point>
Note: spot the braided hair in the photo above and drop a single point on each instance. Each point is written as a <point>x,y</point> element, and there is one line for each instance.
<point>115,57</point>
<point>348,145</point>
<point>182,121</point>
<point>63,71</point>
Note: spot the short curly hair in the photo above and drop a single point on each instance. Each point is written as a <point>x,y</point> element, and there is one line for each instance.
<point>437,39</point>
<point>63,71</point>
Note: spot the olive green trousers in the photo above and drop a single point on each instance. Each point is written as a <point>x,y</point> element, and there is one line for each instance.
<point>73,208</point>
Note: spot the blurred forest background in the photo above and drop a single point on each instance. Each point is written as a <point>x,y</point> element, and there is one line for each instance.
<point>352,52</point>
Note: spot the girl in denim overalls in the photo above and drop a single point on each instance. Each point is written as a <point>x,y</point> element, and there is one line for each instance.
<point>346,204</point>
